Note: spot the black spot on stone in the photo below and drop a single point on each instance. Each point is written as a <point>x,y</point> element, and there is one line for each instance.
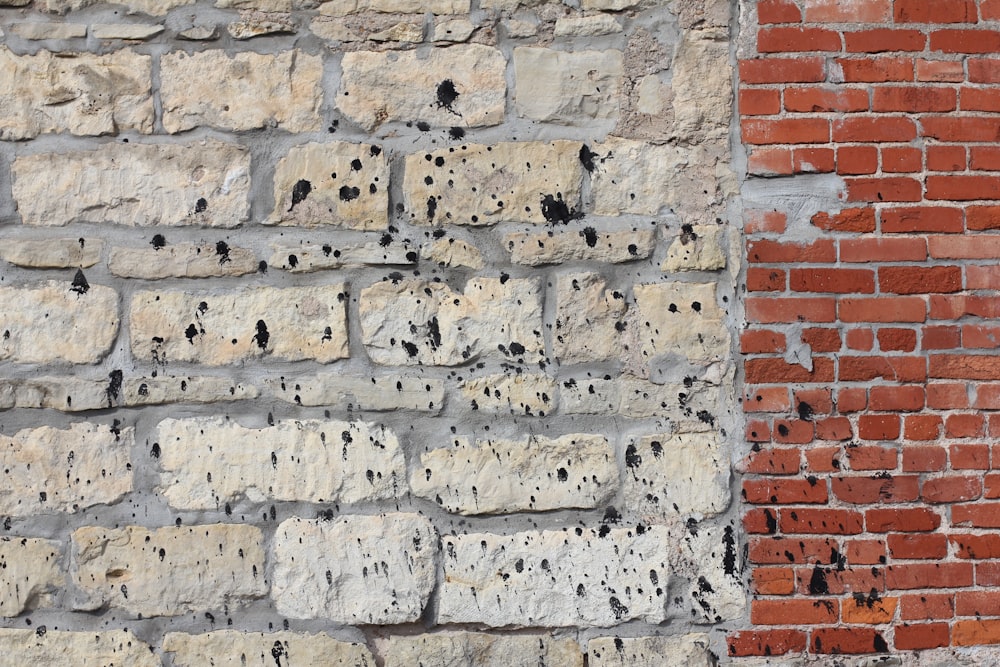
<point>80,284</point>
<point>771,521</point>
<point>805,411</point>
<point>222,250</point>
<point>516,348</point>
<point>782,429</point>
<point>201,205</point>
<point>587,157</point>
<point>410,348</point>
<point>114,386</point>
<point>385,240</point>
<point>456,133</point>
<point>262,336</point>
<point>729,556</point>
<point>422,126</point>
<point>300,191</point>
<point>632,458</point>
<point>446,96</point>
<point>155,451</point>
<point>374,150</point>
<point>293,261</point>
<point>327,250</point>
<point>40,631</point>
<point>562,475</point>
<point>555,209</point>
<point>158,241</point>
<point>356,165</point>
<point>617,608</point>
<point>590,236</point>
<point>348,193</point>
<point>190,333</point>
<point>817,583</point>
<point>262,266</point>
<point>432,205</point>
<point>439,161</point>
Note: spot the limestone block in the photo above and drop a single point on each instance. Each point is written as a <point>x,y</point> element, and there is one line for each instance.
<point>310,257</point>
<point>452,252</point>
<point>569,88</point>
<point>345,7</point>
<point>205,183</point>
<point>244,91</point>
<point>634,177</point>
<point>679,320</point>
<point>52,253</point>
<point>667,476</point>
<point>80,93</point>
<point>480,185</point>
<point>48,470</point>
<point>698,248</point>
<point>702,86</point>
<point>30,574</point>
<point>379,394</point>
<point>589,245</point>
<point>230,648</point>
<point>334,183</point>
<point>170,571</point>
<point>67,394</point>
<point>433,325</point>
<point>688,405</point>
<point>533,474</point>
<point>461,85</point>
<point>511,393</point>
<point>135,31</point>
<point>460,649</point>
<point>586,577</point>
<point>120,648</point>
<point>184,260</point>
<point>55,322</point>
<point>411,33</point>
<point>210,462</point>
<point>355,569</point>
<point>290,323</point>
<point>256,23</point>
<point>164,389</point>
<point>455,30</point>
<point>39,30</point>
<point>690,650</point>
<point>708,558</point>
<point>267,5</point>
<point>587,26</point>
<point>589,319</point>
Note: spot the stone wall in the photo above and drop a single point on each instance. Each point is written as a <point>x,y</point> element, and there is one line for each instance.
<point>386,332</point>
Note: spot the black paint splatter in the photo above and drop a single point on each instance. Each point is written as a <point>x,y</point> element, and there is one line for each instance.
<point>114,386</point>
<point>456,133</point>
<point>555,209</point>
<point>348,193</point>
<point>222,250</point>
<point>158,241</point>
<point>191,332</point>
<point>446,96</point>
<point>587,157</point>
<point>590,236</point>
<point>300,191</point>
<point>262,336</point>
<point>201,205</point>
<point>431,207</point>
<point>80,284</point>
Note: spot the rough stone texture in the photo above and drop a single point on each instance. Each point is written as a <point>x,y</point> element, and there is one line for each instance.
<point>38,31</point>
<point>306,258</point>
<point>137,31</point>
<point>57,322</point>
<point>184,260</point>
<point>678,319</point>
<point>242,92</point>
<point>355,569</point>
<point>534,474</point>
<point>479,185</point>
<point>702,86</point>
<point>143,185</point>
<point>216,329</point>
<point>555,578</point>
<point>667,476</point>
<point>567,88</point>
<point>83,94</point>
<point>582,26</point>
<point>230,648</point>
<point>514,393</point>
<point>191,389</point>
<point>120,648</point>
<point>687,405</point>
<point>334,183</point>
<point>538,249</point>
<point>170,571</point>
<point>30,574</point>
<point>461,85</point>
<point>684,651</point>
<point>254,24</point>
<point>52,253</point>
<point>589,324</point>
<point>458,649</point>
<point>698,248</point>
<point>380,394</point>
<point>51,470</point>
<point>209,463</point>
<point>456,30</point>
<point>338,8</point>
<point>151,7</point>
<point>60,393</point>
<point>434,325</point>
<point>452,252</point>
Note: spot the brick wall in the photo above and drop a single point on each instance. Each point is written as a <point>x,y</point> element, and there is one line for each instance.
<point>869,354</point>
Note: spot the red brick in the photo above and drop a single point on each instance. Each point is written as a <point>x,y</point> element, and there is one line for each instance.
<point>901,160</point>
<point>977,603</point>
<point>823,459</point>
<point>928,575</point>
<point>951,489</point>
<point>841,581</point>
<point>982,218</point>
<point>914,99</point>
<point>946,158</point>
<point>988,574</point>
<point>987,397</point>
<point>978,515</point>
<point>984,158</point>
<point>991,484</point>
<point>834,428</point>
<point>790,40</point>
<point>984,70</point>
<point>784,491</point>
<point>990,10</point>
<point>865,458</point>
<point>889,189</point>
<point>766,280</point>
<point>965,247</point>
<point>782,70</point>
<point>759,102</point>
<point>924,458</point>
<point>895,369</point>
<point>775,461</point>
<point>964,367</point>
<point>964,425</point>
<point>813,160</point>
<point>883,250</point>
<point>947,395</point>
<point>770,162</point>
<point>975,632</point>
<point>897,340</point>
<point>850,640</point>
<point>848,11</point>
<point>981,99</point>
<point>877,129</point>
<point>954,307</point>
<point>960,128</point>
<point>881,40</point>
<point>976,546</point>
<point>774,309</point>
<point>921,636</point>
<point>763,222</point>
<point>773,581</point>
<point>909,520</point>
<point>857,160</point>
<point>865,552</point>
<point>820,522</point>
<point>762,342</point>
<point>813,401</point>
<point>883,309</point>
<point>804,612</point>
<point>906,398</point>
<point>861,339</point>
<point>875,70</point>
<point>941,71</point>
<point>835,281</point>
<point>963,188</point>
<point>846,220</point>
<point>878,427</point>
<point>969,457</point>
<point>813,99</point>
<point>765,251</point>
<point>792,431</point>
<point>767,399</point>
<point>783,551</point>
<point>909,219</point>
<point>983,277</point>
<point>919,280</point>
<point>872,490</point>
<point>786,131</point>
<point>940,337</point>
<point>934,11</point>
<point>760,521</point>
<point>926,606</point>
<point>918,546</point>
<point>778,11</point>
<point>766,642</point>
<point>965,41</point>
<point>822,340</point>
<point>772,371</point>
<point>922,427</point>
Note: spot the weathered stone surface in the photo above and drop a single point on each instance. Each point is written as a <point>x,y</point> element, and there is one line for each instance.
<point>52,253</point>
<point>461,85</point>
<point>458,649</point>
<point>184,260</point>
<point>452,252</point>
<point>334,183</point>
<point>589,324</point>
<point>678,320</point>
<point>555,578</point>
<point>210,462</point>
<point>58,322</point>
<point>431,324</point>
<point>267,5</point>
<point>513,393</point>
<point>204,183</point>
<point>47,470</point>
<point>343,8</point>
<point>355,569</point>
<point>170,571</point>
<point>584,26</point>
<point>708,558</point>
<point>684,651</point>
<point>570,88</point>
<point>412,33</point>
<point>589,245</point>
<point>698,248</point>
<point>197,389</point>
<point>125,30</point>
<point>381,394</point>
<point>702,86</point>
<point>687,404</point>
<point>514,27</point>
<point>199,33</point>
<point>480,185</point>
<point>37,31</point>
<point>30,574</point>
<point>84,649</point>
<point>456,30</point>
<point>255,23</point>
<point>534,474</point>
<point>83,94</point>
<point>15,3</point>
<point>667,476</point>
<point>310,257</point>
<point>290,323</point>
<point>244,91</point>
<point>150,7</point>
<point>231,648</point>
<point>60,393</point>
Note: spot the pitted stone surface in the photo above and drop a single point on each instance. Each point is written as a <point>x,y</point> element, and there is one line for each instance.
<point>52,253</point>
<point>684,651</point>
<point>702,86</point>
<point>290,323</point>
<point>184,389</point>
<point>58,322</point>
<point>184,260</point>
<point>515,393</point>
<point>698,248</point>
<point>556,578</point>
<point>478,185</point>
<point>355,569</point>
<point>143,185</point>
<point>335,183</point>
<point>30,574</point>
<point>380,394</point>
<point>533,474</point>
<point>230,648</point>
<point>244,91</point>
<point>567,88</point>
<point>85,649</point>
<point>338,8</point>
<point>68,394</point>
<point>209,463</point>
<point>688,406</point>
<point>306,258</point>
<point>453,252</point>
<point>459,649</point>
<point>679,319</point>
<point>436,326</point>
<point>589,319</point>
<point>170,571</point>
<point>460,85</point>
<point>52,470</point>
<point>535,249</point>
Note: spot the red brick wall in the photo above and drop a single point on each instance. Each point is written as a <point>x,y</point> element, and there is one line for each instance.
<point>870,498</point>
